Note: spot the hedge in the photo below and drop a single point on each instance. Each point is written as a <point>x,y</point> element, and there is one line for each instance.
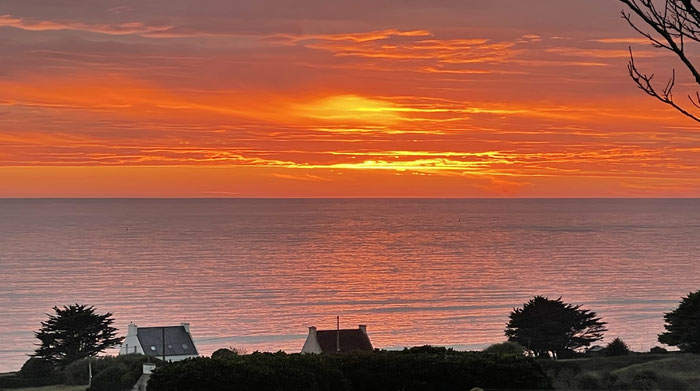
<point>381,370</point>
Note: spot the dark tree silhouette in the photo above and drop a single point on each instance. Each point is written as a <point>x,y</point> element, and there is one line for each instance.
<point>672,25</point>
<point>75,332</point>
<point>617,347</point>
<point>683,325</point>
<point>545,326</point>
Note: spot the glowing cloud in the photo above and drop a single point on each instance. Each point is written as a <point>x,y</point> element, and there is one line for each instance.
<point>262,100</point>
<point>352,108</point>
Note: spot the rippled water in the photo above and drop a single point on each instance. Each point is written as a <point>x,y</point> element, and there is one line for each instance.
<point>254,274</point>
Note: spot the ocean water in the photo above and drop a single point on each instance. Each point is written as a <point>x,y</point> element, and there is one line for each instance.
<point>255,273</point>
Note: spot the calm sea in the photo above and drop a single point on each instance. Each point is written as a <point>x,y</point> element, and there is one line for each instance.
<point>255,273</point>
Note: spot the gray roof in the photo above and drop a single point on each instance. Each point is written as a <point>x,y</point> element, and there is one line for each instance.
<point>178,341</point>
<point>351,340</point>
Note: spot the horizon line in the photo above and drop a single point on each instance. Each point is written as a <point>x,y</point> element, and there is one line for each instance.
<point>349,198</point>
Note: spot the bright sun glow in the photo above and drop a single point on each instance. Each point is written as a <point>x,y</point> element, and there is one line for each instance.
<point>352,108</point>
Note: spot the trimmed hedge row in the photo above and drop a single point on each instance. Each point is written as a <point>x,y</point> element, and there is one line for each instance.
<point>407,370</point>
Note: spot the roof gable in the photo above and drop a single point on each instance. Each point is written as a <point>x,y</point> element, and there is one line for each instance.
<point>178,341</point>
<point>350,340</point>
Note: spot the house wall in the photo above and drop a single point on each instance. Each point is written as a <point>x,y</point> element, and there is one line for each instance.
<point>311,345</point>
<point>131,343</point>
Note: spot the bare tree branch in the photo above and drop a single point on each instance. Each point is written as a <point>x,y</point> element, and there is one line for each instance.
<point>673,24</point>
<point>643,81</point>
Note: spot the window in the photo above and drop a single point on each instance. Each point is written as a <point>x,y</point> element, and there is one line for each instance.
<point>170,346</point>
<point>153,348</point>
<point>184,346</point>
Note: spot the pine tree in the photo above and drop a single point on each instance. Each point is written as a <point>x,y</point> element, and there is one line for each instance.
<point>683,325</point>
<point>617,347</point>
<point>75,331</point>
<point>545,326</point>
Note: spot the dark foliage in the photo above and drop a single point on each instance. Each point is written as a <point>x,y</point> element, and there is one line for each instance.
<point>617,347</point>
<point>37,367</point>
<point>77,372</point>
<point>506,348</point>
<point>683,325</point>
<point>76,331</point>
<point>429,349</point>
<point>35,372</point>
<point>545,326</point>
<point>109,379</point>
<point>223,353</point>
<point>400,370</point>
<point>109,373</point>
<point>588,382</point>
<point>658,350</point>
<point>13,381</point>
<point>38,372</point>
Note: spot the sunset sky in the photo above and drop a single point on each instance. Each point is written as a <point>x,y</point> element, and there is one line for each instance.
<point>319,98</point>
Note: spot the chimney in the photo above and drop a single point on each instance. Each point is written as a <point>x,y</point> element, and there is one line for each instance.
<point>312,331</point>
<point>363,328</point>
<point>186,326</point>
<point>132,329</point>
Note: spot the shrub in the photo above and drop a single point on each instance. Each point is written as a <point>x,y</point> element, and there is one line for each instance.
<point>506,348</point>
<point>224,354</point>
<point>611,381</point>
<point>587,382</point>
<point>77,372</point>
<point>36,367</point>
<point>109,379</point>
<point>128,370</point>
<point>665,382</point>
<point>644,380</point>
<point>39,372</point>
<point>563,373</point>
<point>131,377</point>
<point>617,347</point>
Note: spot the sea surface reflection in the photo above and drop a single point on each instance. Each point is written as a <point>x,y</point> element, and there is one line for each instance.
<point>254,273</point>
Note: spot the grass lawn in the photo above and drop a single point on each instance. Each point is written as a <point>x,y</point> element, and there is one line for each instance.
<point>655,371</point>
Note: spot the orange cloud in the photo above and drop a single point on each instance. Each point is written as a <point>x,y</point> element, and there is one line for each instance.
<point>352,37</point>
<point>601,53</point>
<point>628,40</point>
<point>455,51</point>
<point>371,112</point>
<point>128,28</point>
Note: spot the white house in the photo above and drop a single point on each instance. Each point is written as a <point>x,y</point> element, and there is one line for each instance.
<point>172,343</point>
<point>337,341</point>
